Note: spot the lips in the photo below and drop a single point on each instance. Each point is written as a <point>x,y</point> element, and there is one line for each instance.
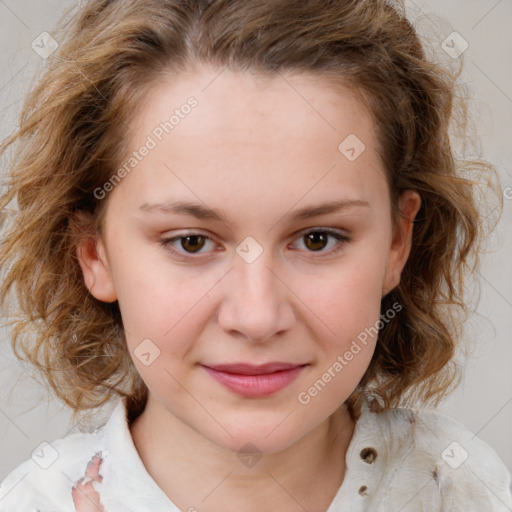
<point>255,381</point>
<point>251,369</point>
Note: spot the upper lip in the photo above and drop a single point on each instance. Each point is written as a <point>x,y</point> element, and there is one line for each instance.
<point>251,369</point>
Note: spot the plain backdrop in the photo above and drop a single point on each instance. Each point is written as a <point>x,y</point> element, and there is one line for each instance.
<point>483,401</point>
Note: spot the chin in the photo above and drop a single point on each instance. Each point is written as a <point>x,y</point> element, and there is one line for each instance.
<point>260,436</point>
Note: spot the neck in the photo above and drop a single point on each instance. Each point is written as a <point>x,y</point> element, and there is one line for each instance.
<point>201,473</point>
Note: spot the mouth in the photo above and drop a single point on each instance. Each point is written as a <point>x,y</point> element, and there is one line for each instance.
<point>252,369</point>
<point>254,381</point>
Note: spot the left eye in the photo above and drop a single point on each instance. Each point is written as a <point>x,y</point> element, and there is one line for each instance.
<point>314,240</point>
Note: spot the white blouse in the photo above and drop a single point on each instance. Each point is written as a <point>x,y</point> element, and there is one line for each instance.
<point>397,460</point>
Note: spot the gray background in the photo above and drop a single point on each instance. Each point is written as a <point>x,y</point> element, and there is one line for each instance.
<point>483,401</point>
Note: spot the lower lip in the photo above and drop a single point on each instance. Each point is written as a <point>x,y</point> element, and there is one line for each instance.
<point>255,385</point>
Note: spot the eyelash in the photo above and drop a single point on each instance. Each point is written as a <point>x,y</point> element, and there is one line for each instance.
<point>342,239</point>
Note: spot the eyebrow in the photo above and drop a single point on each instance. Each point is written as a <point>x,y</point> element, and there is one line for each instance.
<point>200,211</point>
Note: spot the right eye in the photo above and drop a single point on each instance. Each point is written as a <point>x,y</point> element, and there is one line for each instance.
<point>191,243</point>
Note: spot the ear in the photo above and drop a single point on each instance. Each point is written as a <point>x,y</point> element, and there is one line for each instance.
<point>91,254</point>
<point>409,205</point>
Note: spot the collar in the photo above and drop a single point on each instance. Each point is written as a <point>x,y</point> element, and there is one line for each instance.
<point>123,470</point>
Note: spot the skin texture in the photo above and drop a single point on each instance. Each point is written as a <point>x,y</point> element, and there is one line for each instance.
<point>258,151</point>
<point>85,497</point>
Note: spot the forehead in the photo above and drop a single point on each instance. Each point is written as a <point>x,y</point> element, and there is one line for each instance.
<point>241,103</point>
<point>250,134</point>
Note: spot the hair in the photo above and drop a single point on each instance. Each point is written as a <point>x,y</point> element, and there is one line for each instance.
<point>72,135</point>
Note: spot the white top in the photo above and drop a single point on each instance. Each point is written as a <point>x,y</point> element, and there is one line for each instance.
<point>396,460</point>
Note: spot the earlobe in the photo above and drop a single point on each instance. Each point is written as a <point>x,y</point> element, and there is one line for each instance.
<point>409,205</point>
<point>96,271</point>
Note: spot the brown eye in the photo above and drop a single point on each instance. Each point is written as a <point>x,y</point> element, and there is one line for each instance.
<point>319,241</point>
<point>316,240</point>
<point>190,243</point>
<point>193,243</point>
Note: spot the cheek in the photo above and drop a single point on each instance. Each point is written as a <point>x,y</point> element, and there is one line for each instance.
<point>164,303</point>
<point>345,299</point>
<point>347,311</point>
<point>346,303</point>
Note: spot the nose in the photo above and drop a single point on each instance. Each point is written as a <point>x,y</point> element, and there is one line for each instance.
<point>256,301</point>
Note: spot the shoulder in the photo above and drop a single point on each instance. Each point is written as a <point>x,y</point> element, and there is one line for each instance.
<point>43,483</point>
<point>427,459</point>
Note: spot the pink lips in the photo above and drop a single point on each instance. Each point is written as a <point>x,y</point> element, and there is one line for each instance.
<point>255,380</point>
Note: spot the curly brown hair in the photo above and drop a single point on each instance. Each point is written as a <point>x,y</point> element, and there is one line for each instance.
<point>71,140</point>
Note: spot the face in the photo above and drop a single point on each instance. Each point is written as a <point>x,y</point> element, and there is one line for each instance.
<point>252,232</point>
